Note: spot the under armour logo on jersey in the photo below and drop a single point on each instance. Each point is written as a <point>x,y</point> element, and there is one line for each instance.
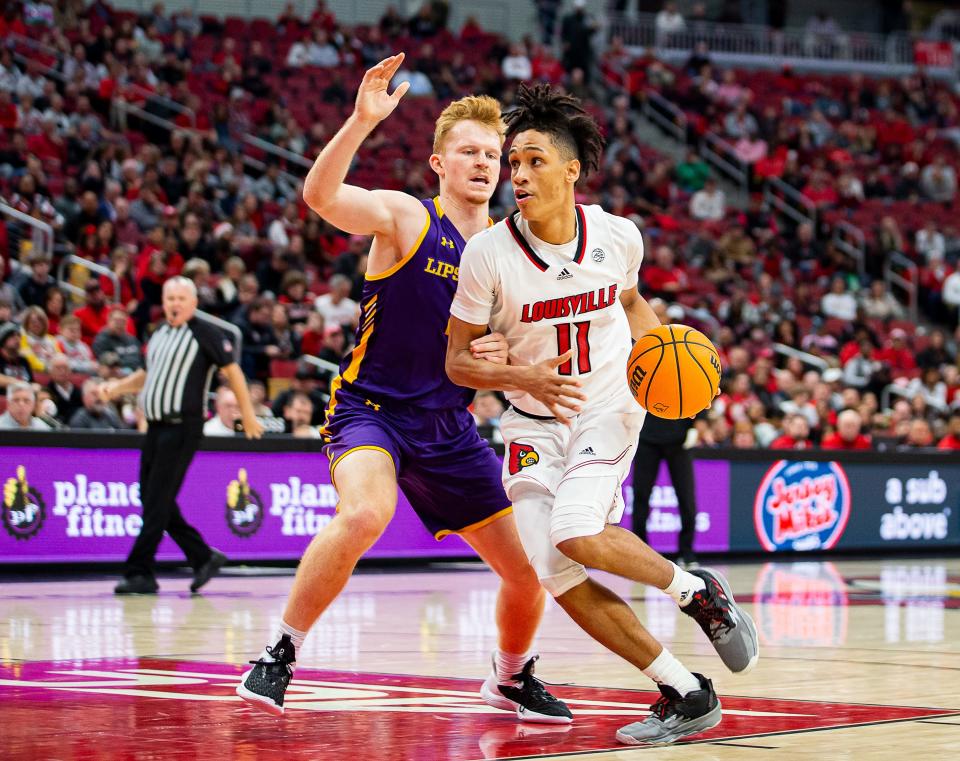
<point>588,450</point>
<point>565,274</point>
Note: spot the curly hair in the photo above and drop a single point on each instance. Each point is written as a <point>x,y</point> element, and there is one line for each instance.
<point>572,130</point>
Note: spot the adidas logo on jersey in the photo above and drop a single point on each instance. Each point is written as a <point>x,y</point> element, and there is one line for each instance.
<point>588,450</point>
<point>565,274</point>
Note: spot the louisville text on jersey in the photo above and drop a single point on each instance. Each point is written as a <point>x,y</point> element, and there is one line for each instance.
<point>570,306</point>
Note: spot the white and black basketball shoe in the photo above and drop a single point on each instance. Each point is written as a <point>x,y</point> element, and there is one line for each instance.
<point>265,684</point>
<point>525,695</point>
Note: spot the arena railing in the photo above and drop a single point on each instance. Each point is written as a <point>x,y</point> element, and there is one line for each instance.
<point>851,241</point>
<point>47,50</point>
<point>761,42</point>
<point>328,367</point>
<point>280,153</point>
<point>665,115</point>
<point>721,155</point>
<point>789,201</point>
<point>901,272</point>
<point>805,357</point>
<point>41,234</point>
<point>70,262</point>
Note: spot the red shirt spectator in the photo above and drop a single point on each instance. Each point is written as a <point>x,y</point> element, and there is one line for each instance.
<point>788,442</point>
<point>896,354</point>
<point>93,315</point>
<point>836,441</point>
<point>950,441</point>
<point>894,130</point>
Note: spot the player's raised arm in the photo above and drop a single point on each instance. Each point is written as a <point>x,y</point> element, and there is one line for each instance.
<point>640,314</point>
<point>352,209</point>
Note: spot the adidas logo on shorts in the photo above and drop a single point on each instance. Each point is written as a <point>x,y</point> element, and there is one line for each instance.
<point>588,450</point>
<point>565,274</point>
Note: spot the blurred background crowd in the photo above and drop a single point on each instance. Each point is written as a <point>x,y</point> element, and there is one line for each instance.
<point>163,144</point>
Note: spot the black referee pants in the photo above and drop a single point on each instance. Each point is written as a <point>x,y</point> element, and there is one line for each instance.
<point>680,465</point>
<point>167,453</point>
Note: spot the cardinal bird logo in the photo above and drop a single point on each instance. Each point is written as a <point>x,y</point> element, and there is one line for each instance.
<point>522,456</point>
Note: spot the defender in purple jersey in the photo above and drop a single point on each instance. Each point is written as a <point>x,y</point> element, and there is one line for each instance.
<point>395,419</point>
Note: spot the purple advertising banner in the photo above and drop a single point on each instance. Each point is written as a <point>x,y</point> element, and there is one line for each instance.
<point>77,505</point>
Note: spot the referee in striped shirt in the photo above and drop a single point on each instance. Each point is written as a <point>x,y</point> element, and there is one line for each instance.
<point>182,356</point>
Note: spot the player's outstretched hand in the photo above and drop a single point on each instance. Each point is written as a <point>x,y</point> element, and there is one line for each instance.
<point>493,348</point>
<point>560,393</point>
<point>374,103</point>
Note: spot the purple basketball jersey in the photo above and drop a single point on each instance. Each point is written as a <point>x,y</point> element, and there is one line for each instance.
<point>402,344</point>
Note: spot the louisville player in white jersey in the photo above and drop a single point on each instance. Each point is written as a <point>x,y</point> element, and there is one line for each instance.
<point>560,282</point>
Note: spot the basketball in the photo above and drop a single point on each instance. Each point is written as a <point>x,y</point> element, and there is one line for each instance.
<point>674,371</point>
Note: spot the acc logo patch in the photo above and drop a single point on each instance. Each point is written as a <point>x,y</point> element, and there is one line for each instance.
<point>521,456</point>
<point>23,508</point>
<point>802,506</point>
<point>244,507</point>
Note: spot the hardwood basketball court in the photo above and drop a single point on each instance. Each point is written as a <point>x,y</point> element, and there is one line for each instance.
<point>859,660</point>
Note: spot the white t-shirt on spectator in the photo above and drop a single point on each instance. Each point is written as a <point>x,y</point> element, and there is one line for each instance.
<point>841,305</point>
<point>951,290</point>
<point>344,313</point>
<point>215,427</point>
<point>931,245</point>
<point>297,55</point>
<point>669,22</point>
<point>517,67</point>
<point>706,205</point>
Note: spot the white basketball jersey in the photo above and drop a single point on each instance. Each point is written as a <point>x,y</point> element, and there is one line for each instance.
<point>548,299</point>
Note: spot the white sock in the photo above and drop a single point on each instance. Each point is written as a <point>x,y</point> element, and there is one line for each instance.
<point>683,586</point>
<point>666,669</point>
<point>508,664</point>
<point>296,638</point>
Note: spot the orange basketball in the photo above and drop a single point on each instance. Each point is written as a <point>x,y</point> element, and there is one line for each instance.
<point>674,371</point>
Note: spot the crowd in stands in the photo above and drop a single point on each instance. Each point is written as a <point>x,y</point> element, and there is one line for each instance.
<point>148,202</point>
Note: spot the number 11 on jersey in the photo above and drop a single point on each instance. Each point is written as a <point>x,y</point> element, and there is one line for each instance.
<point>583,347</point>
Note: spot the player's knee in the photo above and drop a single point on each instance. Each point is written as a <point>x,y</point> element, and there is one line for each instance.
<point>581,511</point>
<point>580,549</point>
<point>364,521</point>
<point>559,581</point>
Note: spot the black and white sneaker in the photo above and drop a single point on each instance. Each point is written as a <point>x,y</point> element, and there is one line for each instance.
<point>729,628</point>
<point>525,695</point>
<point>264,685</point>
<point>674,716</point>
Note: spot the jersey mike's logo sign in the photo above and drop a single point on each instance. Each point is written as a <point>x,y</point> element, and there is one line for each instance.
<point>244,506</point>
<point>23,508</point>
<point>521,456</point>
<point>802,506</point>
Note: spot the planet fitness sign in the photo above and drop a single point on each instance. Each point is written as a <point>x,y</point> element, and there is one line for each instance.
<point>802,506</point>
<point>75,505</point>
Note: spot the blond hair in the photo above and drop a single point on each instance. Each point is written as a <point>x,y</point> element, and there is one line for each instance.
<point>477,108</point>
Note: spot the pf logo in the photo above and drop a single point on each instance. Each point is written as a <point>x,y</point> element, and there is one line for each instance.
<point>521,456</point>
<point>23,507</point>
<point>802,506</point>
<point>244,507</point>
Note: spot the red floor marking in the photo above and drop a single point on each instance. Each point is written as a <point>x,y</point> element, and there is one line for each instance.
<point>128,709</point>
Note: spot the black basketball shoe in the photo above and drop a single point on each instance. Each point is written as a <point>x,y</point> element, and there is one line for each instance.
<point>527,696</point>
<point>674,716</point>
<point>729,628</point>
<point>264,685</point>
